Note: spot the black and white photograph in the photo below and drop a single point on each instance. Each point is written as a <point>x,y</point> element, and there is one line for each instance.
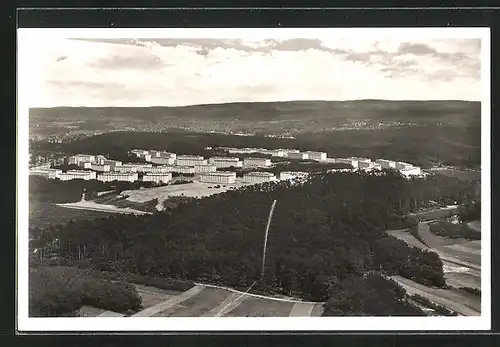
<point>254,179</point>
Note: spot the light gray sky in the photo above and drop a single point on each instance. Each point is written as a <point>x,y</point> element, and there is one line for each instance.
<point>176,72</point>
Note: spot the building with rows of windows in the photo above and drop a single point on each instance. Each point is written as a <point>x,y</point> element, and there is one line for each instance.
<point>157,177</point>
<point>222,177</point>
<point>386,164</point>
<point>259,177</point>
<point>100,168</point>
<point>163,160</point>
<point>183,169</point>
<point>256,162</point>
<point>318,156</point>
<point>77,174</point>
<point>76,159</point>
<point>190,160</point>
<point>225,162</point>
<point>205,168</point>
<point>118,176</point>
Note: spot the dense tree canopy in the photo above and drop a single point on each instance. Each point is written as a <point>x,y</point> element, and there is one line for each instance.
<point>332,226</point>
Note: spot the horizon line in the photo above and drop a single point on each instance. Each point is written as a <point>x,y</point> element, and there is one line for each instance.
<point>256,102</point>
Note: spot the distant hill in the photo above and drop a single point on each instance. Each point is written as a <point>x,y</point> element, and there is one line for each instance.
<point>265,117</point>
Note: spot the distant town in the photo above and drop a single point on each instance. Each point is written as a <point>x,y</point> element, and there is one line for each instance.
<point>158,166</point>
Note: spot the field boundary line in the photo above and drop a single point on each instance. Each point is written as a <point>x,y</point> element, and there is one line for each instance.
<point>257,295</point>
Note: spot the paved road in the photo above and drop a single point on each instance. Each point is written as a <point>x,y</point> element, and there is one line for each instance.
<point>301,310</point>
<point>461,303</point>
<point>162,306</point>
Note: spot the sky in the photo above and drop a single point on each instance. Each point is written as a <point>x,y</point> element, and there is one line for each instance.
<point>128,71</point>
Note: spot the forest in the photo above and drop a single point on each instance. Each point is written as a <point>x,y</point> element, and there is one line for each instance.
<point>328,230</point>
<point>59,291</point>
<point>424,146</point>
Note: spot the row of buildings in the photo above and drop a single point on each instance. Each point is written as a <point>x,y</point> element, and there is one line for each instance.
<point>226,177</point>
<point>283,153</point>
<point>106,176</point>
<point>366,164</point>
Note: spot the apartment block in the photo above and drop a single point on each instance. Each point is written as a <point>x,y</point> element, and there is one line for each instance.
<point>218,177</point>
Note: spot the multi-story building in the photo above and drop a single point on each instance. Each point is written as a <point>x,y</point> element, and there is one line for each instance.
<point>132,167</point>
<point>259,177</point>
<point>184,169</point>
<point>101,167</point>
<point>118,176</point>
<point>349,161</point>
<point>297,155</point>
<point>365,163</point>
<point>290,175</point>
<point>225,162</point>
<point>256,162</point>
<point>403,166</point>
<point>126,168</point>
<point>223,177</point>
<point>386,164</point>
<point>158,169</point>
<point>76,159</point>
<point>188,160</point>
<point>318,156</point>
<point>163,160</point>
<point>157,178</point>
<point>274,152</point>
<point>85,164</point>
<point>242,150</point>
<point>205,168</point>
<point>77,174</point>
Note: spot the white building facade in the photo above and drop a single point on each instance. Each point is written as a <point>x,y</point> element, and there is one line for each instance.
<point>101,168</point>
<point>76,159</point>
<point>118,176</point>
<point>163,160</point>
<point>183,169</point>
<point>225,162</point>
<point>297,155</point>
<point>259,177</point>
<point>157,178</point>
<point>186,160</point>
<point>318,156</point>
<point>218,177</point>
<point>205,168</point>
<point>77,174</point>
<point>256,162</point>
<point>386,164</point>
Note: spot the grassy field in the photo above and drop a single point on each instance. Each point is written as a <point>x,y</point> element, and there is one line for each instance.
<point>152,296</point>
<point>257,307</point>
<point>197,305</point>
<point>42,214</point>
